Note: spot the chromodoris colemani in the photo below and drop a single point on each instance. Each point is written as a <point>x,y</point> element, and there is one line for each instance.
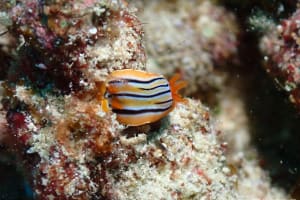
<point>140,97</point>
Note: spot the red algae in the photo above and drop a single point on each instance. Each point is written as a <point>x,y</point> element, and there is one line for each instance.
<point>281,49</point>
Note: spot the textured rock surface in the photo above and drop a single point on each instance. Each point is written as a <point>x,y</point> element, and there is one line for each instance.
<point>195,38</point>
<point>59,55</point>
<point>193,31</point>
<point>85,153</point>
<point>184,161</point>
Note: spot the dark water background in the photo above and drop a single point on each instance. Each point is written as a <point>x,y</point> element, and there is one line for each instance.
<point>275,123</point>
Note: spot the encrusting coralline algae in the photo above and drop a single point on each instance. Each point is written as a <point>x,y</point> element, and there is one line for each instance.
<point>60,54</point>
<point>280,47</point>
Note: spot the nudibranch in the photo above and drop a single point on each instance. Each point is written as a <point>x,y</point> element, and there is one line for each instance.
<point>140,97</point>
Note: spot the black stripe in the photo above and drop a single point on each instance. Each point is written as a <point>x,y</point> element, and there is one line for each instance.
<point>134,112</point>
<point>117,81</point>
<point>165,85</point>
<point>162,102</point>
<point>140,95</point>
<point>135,81</point>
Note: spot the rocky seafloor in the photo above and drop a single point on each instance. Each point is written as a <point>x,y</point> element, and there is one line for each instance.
<point>59,143</point>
